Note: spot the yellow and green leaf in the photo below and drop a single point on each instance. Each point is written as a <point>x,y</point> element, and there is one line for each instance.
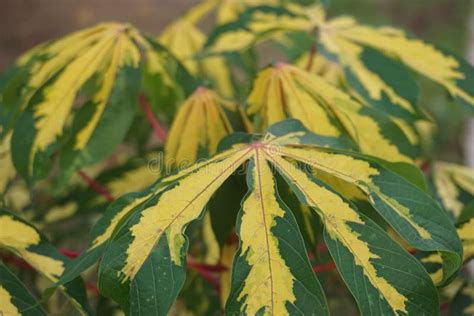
<point>201,122</point>
<point>413,221</point>
<point>7,172</point>
<point>362,250</point>
<point>159,248</point>
<point>257,23</point>
<point>454,186</point>
<point>433,262</point>
<point>463,302</point>
<point>185,40</point>
<point>283,90</point>
<point>15,299</point>
<point>377,60</point>
<point>373,57</point>
<point>100,69</point>
<point>143,266</point>
<point>26,242</point>
<point>271,272</point>
<point>465,232</point>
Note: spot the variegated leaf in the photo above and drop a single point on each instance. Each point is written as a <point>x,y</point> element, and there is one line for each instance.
<point>258,23</point>
<point>463,302</point>
<point>466,233</point>
<point>454,186</point>
<point>115,215</point>
<point>321,66</point>
<point>143,267</point>
<point>7,171</point>
<point>271,273</point>
<point>229,11</point>
<point>185,40</point>
<point>28,243</point>
<point>227,257</point>
<point>368,260</point>
<point>201,122</point>
<point>411,212</point>
<point>433,261</point>
<point>372,57</point>
<point>139,251</point>
<point>283,91</point>
<point>98,68</point>
<point>15,299</point>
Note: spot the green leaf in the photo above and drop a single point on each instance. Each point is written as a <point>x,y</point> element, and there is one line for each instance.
<point>166,82</point>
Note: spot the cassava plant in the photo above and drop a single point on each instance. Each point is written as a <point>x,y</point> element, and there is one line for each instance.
<point>212,185</point>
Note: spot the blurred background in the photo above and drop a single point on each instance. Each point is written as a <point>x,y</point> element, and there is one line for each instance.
<point>26,23</point>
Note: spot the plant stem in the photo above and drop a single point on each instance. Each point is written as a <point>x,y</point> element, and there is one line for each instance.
<point>96,186</point>
<point>157,128</point>
<point>312,54</point>
<point>69,253</point>
<point>324,267</point>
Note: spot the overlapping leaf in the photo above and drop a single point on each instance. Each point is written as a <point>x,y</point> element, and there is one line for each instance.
<point>99,68</point>
<point>28,243</point>
<point>286,91</point>
<point>15,299</point>
<point>143,267</point>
